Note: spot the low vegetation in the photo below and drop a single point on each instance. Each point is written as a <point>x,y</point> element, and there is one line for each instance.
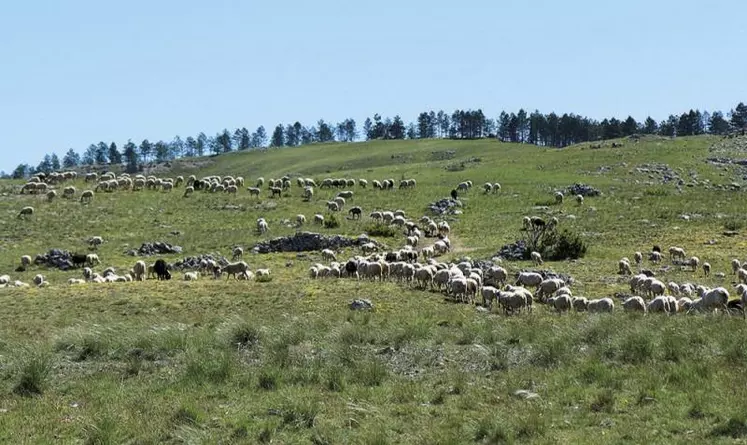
<point>284,359</point>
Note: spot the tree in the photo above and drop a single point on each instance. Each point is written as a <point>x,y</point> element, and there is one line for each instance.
<point>351,132</point>
<point>292,137</point>
<point>324,132</point>
<point>176,147</point>
<point>717,124</point>
<point>629,126</point>
<point>367,128</point>
<point>739,118</point>
<point>378,131</point>
<point>424,126</point>
<point>71,159</point>
<point>444,123</point>
<point>102,151</point>
<point>223,142</point>
<point>190,147</point>
<point>130,157</point>
<point>20,172</point>
<point>55,162</point>
<point>307,136</point>
<point>397,129</point>
<point>146,148</point>
<point>161,151</point>
<point>115,157</point>
<point>245,139</point>
<point>259,137</point>
<point>412,132</point>
<point>45,165</point>
<point>278,137</point>
<point>202,143</point>
<point>89,157</point>
<point>650,126</point>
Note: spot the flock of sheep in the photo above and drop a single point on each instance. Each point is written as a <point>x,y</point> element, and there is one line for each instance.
<point>463,281</point>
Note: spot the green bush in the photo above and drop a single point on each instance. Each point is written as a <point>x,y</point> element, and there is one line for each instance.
<point>331,222</point>
<point>382,230</point>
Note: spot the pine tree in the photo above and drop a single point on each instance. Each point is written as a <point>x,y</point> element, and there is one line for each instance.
<point>278,137</point>
<point>130,157</point>
<point>325,133</point>
<point>397,129</point>
<point>115,157</point>
<point>629,126</point>
<point>176,147</point>
<point>190,147</point>
<point>89,157</point>
<point>739,118</point>
<point>202,144</point>
<point>45,165</point>
<point>146,148</point>
<point>71,159</point>
<point>650,126</point>
<point>20,171</point>
<point>367,128</point>
<point>161,151</point>
<point>55,162</point>
<point>259,137</point>
<point>102,151</point>
<point>717,124</point>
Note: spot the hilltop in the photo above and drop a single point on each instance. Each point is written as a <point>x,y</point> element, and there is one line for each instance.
<point>287,361</point>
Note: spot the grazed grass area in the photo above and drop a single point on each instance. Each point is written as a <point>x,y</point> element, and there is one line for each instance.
<point>287,362</point>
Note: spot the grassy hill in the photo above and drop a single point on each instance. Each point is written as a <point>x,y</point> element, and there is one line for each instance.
<point>287,362</point>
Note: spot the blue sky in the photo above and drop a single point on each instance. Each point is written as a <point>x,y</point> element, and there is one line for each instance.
<point>77,72</point>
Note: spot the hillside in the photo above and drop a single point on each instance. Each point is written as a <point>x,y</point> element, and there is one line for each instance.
<point>286,361</point>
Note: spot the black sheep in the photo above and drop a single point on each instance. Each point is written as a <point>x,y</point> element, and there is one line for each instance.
<point>161,269</point>
<point>454,194</point>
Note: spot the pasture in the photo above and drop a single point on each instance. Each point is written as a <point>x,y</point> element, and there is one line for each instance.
<point>286,360</point>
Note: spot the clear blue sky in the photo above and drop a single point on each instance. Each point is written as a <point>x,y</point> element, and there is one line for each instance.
<point>77,72</point>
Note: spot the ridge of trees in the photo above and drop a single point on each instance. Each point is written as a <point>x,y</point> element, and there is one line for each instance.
<point>550,130</point>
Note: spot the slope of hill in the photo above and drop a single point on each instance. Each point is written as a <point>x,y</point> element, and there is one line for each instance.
<point>286,361</point>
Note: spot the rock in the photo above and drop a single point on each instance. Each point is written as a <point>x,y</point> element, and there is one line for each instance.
<point>155,248</point>
<point>526,394</point>
<point>445,206</point>
<point>481,309</point>
<point>582,189</point>
<point>57,258</point>
<point>193,262</point>
<point>308,241</point>
<point>361,305</point>
<point>514,252</point>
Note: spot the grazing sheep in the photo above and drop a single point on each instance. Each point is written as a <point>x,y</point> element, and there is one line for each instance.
<point>355,212</point>
<point>496,187</point>
<point>579,199</point>
<point>634,304</point>
<point>319,219</point>
<point>234,269</point>
<point>95,241</point>
<point>68,192</point>
<point>601,305</point>
<point>712,299</point>
<point>188,191</point>
<point>161,270</point>
<point>488,187</point>
<point>580,304</point>
<point>623,267</point>
<point>253,191</point>
<point>300,220</point>
<point>262,226</point>
<point>562,303</point>
<point>138,271</point>
<point>694,262</point>
<point>654,257</point>
<point>238,252</point>
<point>676,253</point>
<point>706,269</point>
<point>558,197</point>
<point>328,255</point>
<point>735,266</point>
<point>332,206</point>
<point>638,258</point>
<point>536,258</point>
<point>26,211</point>
<point>51,195</point>
<point>86,196</point>
<point>39,279</point>
<point>92,259</point>
<point>529,279</point>
<point>25,261</point>
<point>263,273</point>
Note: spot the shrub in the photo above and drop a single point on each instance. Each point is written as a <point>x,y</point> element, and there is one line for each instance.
<point>568,246</point>
<point>331,222</point>
<point>382,230</point>
<point>33,374</point>
<point>733,224</point>
<point>244,336</point>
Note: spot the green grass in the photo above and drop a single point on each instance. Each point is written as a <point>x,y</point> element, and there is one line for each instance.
<point>286,361</point>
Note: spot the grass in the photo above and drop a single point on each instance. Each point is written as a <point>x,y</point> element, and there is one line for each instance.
<point>286,361</point>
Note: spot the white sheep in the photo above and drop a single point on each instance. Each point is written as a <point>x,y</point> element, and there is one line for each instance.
<point>559,197</point>
<point>601,305</point>
<point>26,211</point>
<point>25,261</point>
<point>530,279</point>
<point>328,255</point>
<point>139,270</point>
<point>86,196</point>
<point>694,263</point>
<point>319,219</point>
<point>262,225</point>
<point>536,258</point>
<point>191,276</point>
<point>638,258</point>
<point>300,219</point>
<point>706,269</point>
<point>634,304</point>
<point>579,199</point>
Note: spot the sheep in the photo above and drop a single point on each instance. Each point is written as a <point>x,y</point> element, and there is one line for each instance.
<point>26,211</point>
<point>716,298</point>
<point>68,192</point>
<point>601,305</point>
<point>623,267</point>
<point>340,201</point>
<point>694,262</point>
<point>86,196</point>
<point>25,261</point>
<point>735,266</point>
<point>638,258</point>
<point>676,253</point>
<point>238,253</point>
<point>232,269</point>
<point>72,281</point>
<point>496,187</point>
<point>654,257</point>
<point>276,191</point>
<point>332,206</point>
<point>673,288</point>
<point>512,301</point>
<point>319,219</point>
<point>4,279</point>
<point>262,226</point>
<point>559,197</point>
<point>51,195</point>
<point>328,255</point>
<point>95,241</point>
<point>529,279</point>
<point>660,304</point>
<point>347,194</point>
<point>496,276</point>
<point>355,212</point>
<point>92,259</point>
<point>634,304</point>
<point>579,199</point>
<point>138,271</point>
<point>562,303</point>
<point>536,258</point>
<point>706,269</point>
<point>191,276</point>
<point>300,220</point>
<point>548,287</point>
<point>579,304</point>
<point>263,273</point>
<point>488,187</point>
<point>39,280</point>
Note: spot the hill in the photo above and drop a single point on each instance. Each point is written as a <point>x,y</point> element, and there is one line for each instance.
<point>286,361</point>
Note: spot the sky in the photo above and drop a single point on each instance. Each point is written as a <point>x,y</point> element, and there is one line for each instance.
<point>77,72</point>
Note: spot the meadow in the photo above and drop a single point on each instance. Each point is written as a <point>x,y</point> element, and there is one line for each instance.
<point>287,361</point>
